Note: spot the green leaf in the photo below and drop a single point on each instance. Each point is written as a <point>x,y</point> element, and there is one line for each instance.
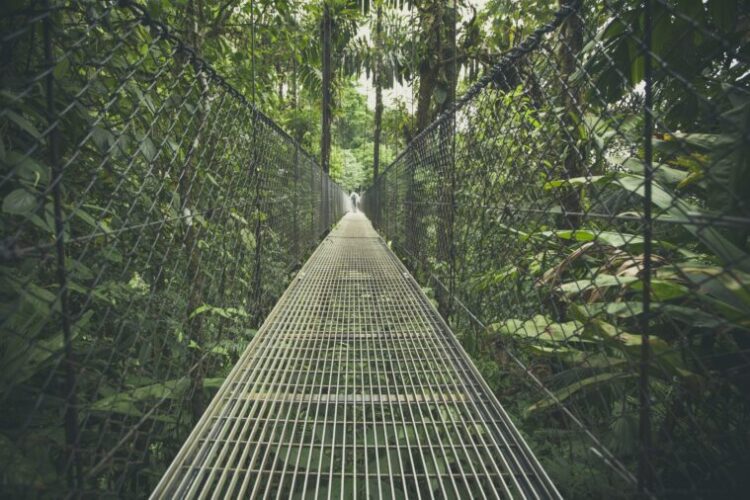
<point>600,281</point>
<point>556,350</point>
<point>694,317</point>
<point>27,168</point>
<point>213,383</point>
<point>680,209</point>
<point>573,181</point>
<point>585,384</point>
<point>103,138</point>
<point>725,292</point>
<point>637,62</point>
<point>112,254</point>
<point>611,238</point>
<point>627,309</point>
<point>86,217</point>
<point>663,290</point>
<point>707,142</point>
<point>19,202</point>
<point>24,124</point>
<point>212,180</point>
<point>24,361</point>
<point>148,149</point>
<point>78,269</point>
<point>126,402</point>
<point>200,310</point>
<point>540,327</point>
<point>608,331</point>
<point>663,174</point>
<point>61,68</point>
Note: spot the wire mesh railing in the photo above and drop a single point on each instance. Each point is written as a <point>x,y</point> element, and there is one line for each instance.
<point>582,218</point>
<point>151,216</point>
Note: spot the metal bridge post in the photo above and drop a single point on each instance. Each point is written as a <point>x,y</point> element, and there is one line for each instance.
<point>645,459</point>
<point>323,220</point>
<point>258,174</point>
<point>312,207</point>
<point>295,205</point>
<point>446,210</point>
<point>412,214</point>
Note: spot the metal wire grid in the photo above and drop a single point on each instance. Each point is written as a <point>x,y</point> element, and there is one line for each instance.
<point>354,388</point>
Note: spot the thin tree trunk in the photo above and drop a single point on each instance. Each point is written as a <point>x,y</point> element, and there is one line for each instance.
<point>325,138</point>
<point>449,69</point>
<point>429,67</point>
<point>427,82</point>
<point>571,45</point>
<point>293,86</point>
<point>378,92</point>
<point>194,275</point>
<point>449,54</point>
<point>280,88</point>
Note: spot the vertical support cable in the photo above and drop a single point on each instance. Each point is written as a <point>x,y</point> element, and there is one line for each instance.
<point>252,51</point>
<point>451,234</point>
<point>644,459</point>
<point>295,205</point>
<point>313,224</point>
<point>413,70</point>
<point>71,409</point>
<point>410,223</point>
<point>378,77</point>
<point>256,172</point>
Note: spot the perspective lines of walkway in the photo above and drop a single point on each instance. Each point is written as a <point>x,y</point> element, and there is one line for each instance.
<point>354,387</point>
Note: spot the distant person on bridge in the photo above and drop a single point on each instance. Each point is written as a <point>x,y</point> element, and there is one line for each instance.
<point>355,201</point>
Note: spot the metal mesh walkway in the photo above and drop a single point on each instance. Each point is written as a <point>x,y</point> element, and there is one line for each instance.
<point>354,388</point>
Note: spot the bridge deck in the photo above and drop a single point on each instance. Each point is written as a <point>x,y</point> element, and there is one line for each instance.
<point>354,387</point>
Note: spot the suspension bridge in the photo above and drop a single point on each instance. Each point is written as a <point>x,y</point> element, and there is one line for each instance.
<point>355,388</point>
<point>544,294</point>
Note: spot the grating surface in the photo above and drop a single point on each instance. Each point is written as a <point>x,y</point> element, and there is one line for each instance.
<point>354,388</point>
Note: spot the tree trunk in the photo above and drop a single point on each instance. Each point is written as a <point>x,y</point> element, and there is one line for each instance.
<point>293,86</point>
<point>447,191</point>
<point>194,276</point>
<point>325,137</point>
<point>378,92</point>
<point>280,88</point>
<point>430,20</point>
<point>427,83</point>
<point>449,60</point>
<point>571,45</point>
